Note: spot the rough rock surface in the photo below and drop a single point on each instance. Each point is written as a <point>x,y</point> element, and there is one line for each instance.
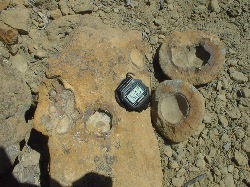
<point>15,100</point>
<point>91,67</point>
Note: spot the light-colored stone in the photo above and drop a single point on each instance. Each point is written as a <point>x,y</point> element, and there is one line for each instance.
<point>214,5</point>
<point>168,151</point>
<point>229,180</point>
<point>240,158</point>
<point>4,4</point>
<point>178,181</point>
<point>18,18</point>
<point>91,67</point>
<point>180,121</point>
<point>246,145</point>
<point>19,62</point>
<point>223,120</point>
<point>238,76</point>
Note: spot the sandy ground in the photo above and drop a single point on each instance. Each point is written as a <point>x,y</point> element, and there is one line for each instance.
<point>218,154</point>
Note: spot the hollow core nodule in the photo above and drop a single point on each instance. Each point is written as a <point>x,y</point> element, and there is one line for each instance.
<point>174,108</point>
<point>196,57</point>
<point>177,109</point>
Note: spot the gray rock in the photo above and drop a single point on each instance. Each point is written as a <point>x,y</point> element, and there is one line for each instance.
<point>224,170</point>
<point>230,168</point>
<point>30,158</point>
<point>240,158</point>
<point>227,146</point>
<point>238,76</point>
<point>214,6</point>
<point>200,163</point>
<point>173,164</point>
<point>207,119</point>
<point>240,133</point>
<point>246,92</point>
<point>15,100</point>
<point>18,18</point>
<point>153,40</point>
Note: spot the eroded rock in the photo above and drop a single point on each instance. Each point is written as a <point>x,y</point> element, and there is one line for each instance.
<point>177,109</point>
<point>103,137</point>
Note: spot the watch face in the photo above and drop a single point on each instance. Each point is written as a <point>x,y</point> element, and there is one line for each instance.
<point>135,94</point>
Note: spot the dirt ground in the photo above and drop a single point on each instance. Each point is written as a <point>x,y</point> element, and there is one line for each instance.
<point>219,153</point>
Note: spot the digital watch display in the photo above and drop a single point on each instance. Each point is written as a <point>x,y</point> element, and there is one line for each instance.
<point>132,94</point>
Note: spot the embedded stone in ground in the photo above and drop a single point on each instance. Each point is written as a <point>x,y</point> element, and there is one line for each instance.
<point>99,122</point>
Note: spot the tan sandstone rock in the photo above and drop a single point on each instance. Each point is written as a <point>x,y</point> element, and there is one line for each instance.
<point>88,131</point>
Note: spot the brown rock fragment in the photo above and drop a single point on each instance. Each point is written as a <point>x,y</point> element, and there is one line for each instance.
<point>106,139</point>
<point>177,110</point>
<point>193,56</point>
<point>9,37</point>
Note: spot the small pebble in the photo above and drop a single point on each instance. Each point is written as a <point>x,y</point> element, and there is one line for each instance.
<point>240,158</point>
<point>238,76</point>
<point>178,181</point>
<point>246,145</point>
<point>214,5</point>
<point>168,151</point>
<point>223,120</point>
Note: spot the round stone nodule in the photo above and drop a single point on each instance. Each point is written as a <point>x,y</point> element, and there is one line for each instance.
<point>177,110</point>
<point>193,56</point>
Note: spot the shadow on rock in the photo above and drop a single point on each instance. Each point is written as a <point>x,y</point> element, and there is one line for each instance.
<point>39,142</point>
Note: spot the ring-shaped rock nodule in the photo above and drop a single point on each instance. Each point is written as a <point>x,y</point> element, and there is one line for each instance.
<point>196,57</point>
<point>177,109</point>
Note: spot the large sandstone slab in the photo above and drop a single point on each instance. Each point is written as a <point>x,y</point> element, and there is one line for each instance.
<point>83,80</point>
